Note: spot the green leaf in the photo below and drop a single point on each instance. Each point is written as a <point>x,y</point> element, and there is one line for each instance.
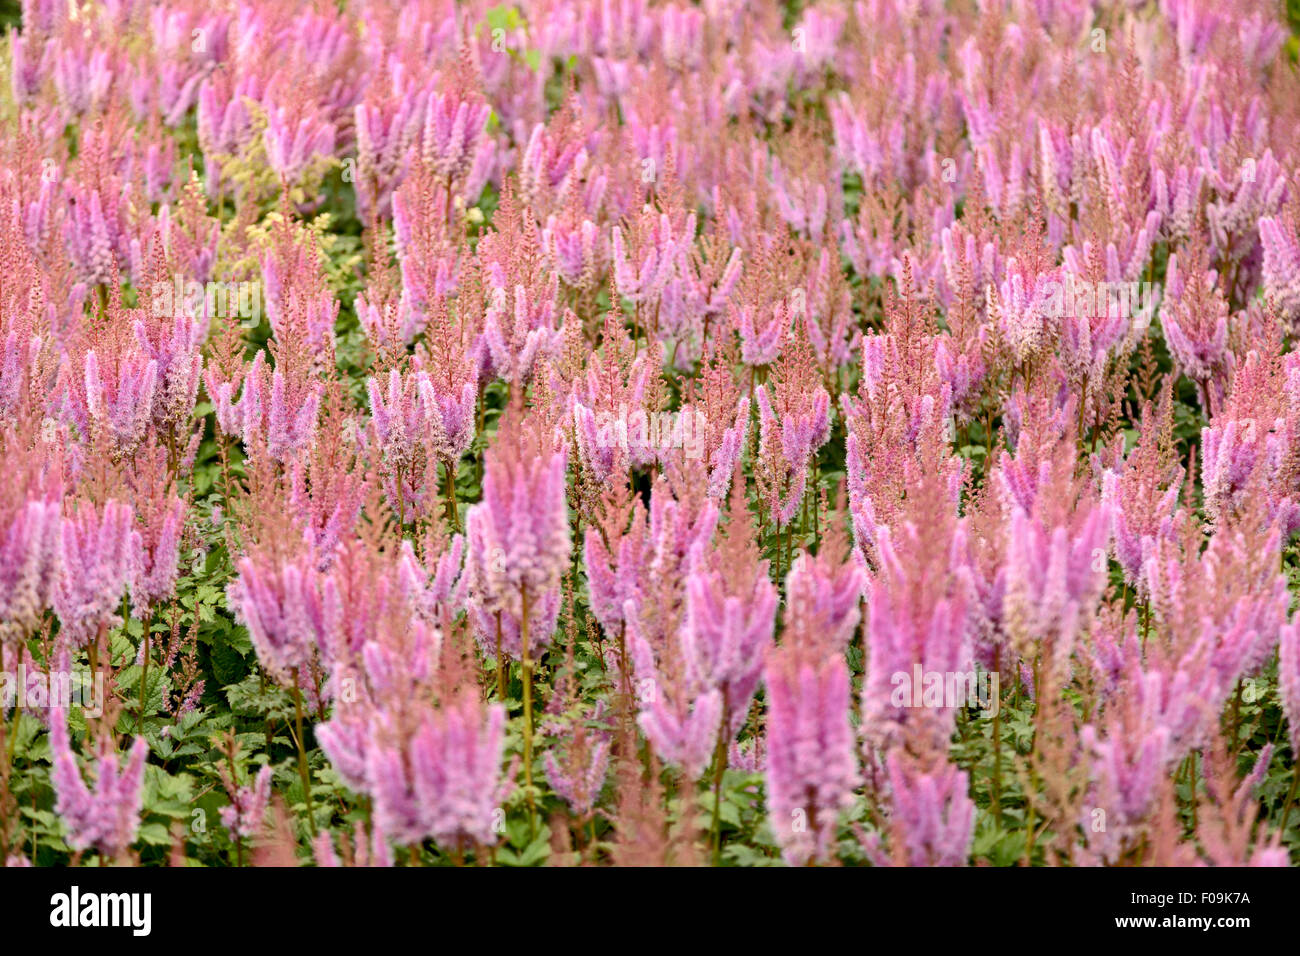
<point>154,834</point>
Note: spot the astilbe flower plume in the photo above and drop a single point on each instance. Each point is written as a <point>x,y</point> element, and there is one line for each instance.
<point>577,775</point>
<point>810,764</point>
<point>519,548</point>
<point>918,593</point>
<point>397,425</point>
<point>1214,619</point>
<point>681,717</point>
<point>1194,317</point>
<point>1056,562</point>
<point>388,125</point>
<point>828,586</point>
<point>794,422</point>
<point>897,422</point>
<point>244,815</point>
<point>454,120</point>
<point>645,254</point>
<point>610,416</point>
<point>932,820</point>
<point>730,613</point>
<point>426,751</point>
<point>291,610</point>
<point>518,535</point>
<point>1249,448</point>
<point>428,247</point>
<point>447,389</point>
<point>107,816</point>
<point>433,583</point>
<point>1142,492</point>
<point>96,567</point>
<point>521,296</point>
<point>615,552</point>
<point>723,415</point>
<point>1288,677</point>
<point>31,531</point>
<point>174,349</point>
<point>119,401</point>
<point>358,851</point>
<point>1126,767</point>
<point>1282,267</point>
<point>446,788</point>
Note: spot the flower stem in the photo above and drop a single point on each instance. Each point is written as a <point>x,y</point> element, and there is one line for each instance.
<point>997,747</point>
<point>1290,798</point>
<point>453,512</point>
<point>144,674</point>
<point>528,712</point>
<point>719,767</point>
<point>302,753</point>
<point>501,665</point>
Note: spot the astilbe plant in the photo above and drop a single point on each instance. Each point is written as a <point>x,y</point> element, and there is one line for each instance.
<point>793,424</point>
<point>811,761</point>
<point>519,546</point>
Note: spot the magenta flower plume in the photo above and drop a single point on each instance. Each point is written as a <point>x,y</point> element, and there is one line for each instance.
<point>1194,317</point>
<point>31,532</point>
<point>157,545</point>
<point>122,408</point>
<point>94,236</point>
<point>518,535</point>
<point>396,417</point>
<point>107,817</point>
<point>433,587</point>
<point>646,257</point>
<point>682,728</point>
<point>98,561</point>
<point>829,589</point>
<point>919,598</point>
<point>1126,772</point>
<point>615,569</point>
<point>175,350</point>
<point>762,337</point>
<point>453,125</point>
<point>730,615</point>
<point>1282,267</point>
<point>697,633</point>
<point>291,421</point>
<point>793,423</point>
<point>447,783</point>
<point>295,134</point>
<point>576,770</point>
<point>1142,493</point>
<point>577,249</point>
<point>933,819</point>
<point>811,767</point>
<point>1229,455</point>
<point>1023,311</point>
<point>1055,576</point>
<point>244,814</point>
<point>448,415</point>
<point>388,125</point>
<point>543,612</point>
<point>372,851</point>
<point>291,610</point>
<point>1288,679</point>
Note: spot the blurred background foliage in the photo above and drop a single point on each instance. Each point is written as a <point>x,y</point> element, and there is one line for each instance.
<point>11,15</point>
